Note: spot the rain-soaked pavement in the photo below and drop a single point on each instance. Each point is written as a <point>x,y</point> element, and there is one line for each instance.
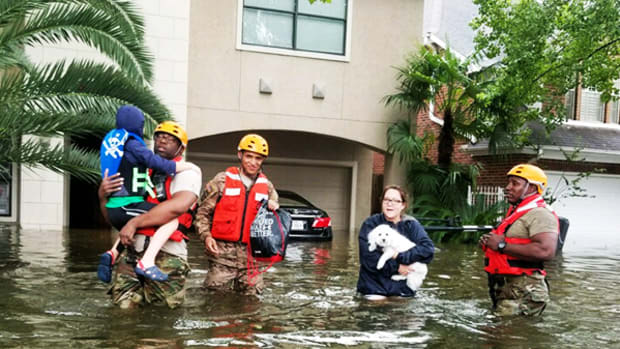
<point>50,297</point>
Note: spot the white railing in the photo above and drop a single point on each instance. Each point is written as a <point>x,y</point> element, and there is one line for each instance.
<point>490,194</point>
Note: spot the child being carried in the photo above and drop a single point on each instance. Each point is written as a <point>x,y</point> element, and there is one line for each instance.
<point>123,150</point>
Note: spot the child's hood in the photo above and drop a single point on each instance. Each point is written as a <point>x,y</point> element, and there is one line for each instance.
<point>131,119</point>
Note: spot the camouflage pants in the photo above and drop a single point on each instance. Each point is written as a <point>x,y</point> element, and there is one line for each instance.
<point>128,290</point>
<point>519,294</point>
<point>228,271</point>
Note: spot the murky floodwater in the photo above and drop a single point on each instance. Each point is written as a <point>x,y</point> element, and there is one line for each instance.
<point>50,297</point>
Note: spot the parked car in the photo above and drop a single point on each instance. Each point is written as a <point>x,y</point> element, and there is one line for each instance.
<point>308,221</point>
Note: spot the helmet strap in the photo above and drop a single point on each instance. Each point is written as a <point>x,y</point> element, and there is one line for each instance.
<point>179,151</point>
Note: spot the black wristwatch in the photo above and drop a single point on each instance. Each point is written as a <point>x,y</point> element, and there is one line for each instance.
<point>501,246</point>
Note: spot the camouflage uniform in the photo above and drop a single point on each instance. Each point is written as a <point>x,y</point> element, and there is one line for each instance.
<point>524,294</point>
<point>228,270</point>
<point>128,290</point>
<point>520,294</point>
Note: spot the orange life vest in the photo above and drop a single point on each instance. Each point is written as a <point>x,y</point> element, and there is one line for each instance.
<point>185,220</point>
<point>237,207</point>
<point>500,263</point>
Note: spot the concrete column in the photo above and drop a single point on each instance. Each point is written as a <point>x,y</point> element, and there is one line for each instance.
<point>363,157</point>
<point>395,173</point>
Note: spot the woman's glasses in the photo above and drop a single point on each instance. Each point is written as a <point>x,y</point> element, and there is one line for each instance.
<point>392,201</point>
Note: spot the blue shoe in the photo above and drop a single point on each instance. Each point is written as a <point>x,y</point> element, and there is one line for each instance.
<point>104,270</point>
<point>152,273</point>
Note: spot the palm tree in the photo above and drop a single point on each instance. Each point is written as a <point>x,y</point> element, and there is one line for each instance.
<point>469,107</point>
<point>70,98</point>
<point>439,79</point>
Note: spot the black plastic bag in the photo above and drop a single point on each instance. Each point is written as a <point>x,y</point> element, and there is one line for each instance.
<point>269,234</point>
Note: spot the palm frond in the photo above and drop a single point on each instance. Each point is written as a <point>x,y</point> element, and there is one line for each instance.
<point>81,163</point>
<point>81,87</point>
<point>125,12</point>
<point>76,99</point>
<point>69,21</point>
<point>403,142</point>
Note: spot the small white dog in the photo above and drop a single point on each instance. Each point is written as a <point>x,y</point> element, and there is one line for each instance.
<point>392,241</point>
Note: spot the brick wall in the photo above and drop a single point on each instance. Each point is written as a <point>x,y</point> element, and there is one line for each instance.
<point>378,163</point>
<point>426,124</point>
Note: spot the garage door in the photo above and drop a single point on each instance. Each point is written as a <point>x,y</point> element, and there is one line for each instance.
<point>593,220</point>
<point>327,187</point>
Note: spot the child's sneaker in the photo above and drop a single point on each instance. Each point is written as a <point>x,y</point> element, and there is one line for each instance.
<point>104,270</point>
<point>152,272</point>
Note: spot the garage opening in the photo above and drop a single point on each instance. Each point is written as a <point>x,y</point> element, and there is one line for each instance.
<point>326,186</point>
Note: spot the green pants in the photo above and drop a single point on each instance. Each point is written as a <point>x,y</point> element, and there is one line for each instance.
<point>128,290</point>
<point>228,271</point>
<point>519,294</point>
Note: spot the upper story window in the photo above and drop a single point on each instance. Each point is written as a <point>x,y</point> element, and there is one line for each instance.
<point>592,108</point>
<point>570,105</point>
<point>296,26</point>
<point>614,111</point>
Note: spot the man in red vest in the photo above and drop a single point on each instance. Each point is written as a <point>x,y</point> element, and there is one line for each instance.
<point>516,249</point>
<point>227,208</point>
<point>175,197</point>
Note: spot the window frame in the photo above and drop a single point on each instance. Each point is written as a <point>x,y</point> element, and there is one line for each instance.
<point>292,51</point>
<point>11,216</point>
<point>617,103</point>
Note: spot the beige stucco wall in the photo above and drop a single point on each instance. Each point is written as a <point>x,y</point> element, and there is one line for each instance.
<point>223,81</point>
<point>223,86</point>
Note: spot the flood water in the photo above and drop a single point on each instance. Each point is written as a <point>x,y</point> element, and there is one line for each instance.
<point>50,297</point>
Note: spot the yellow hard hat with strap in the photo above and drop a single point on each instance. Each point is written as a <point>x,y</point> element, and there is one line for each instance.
<point>174,129</point>
<point>254,143</point>
<point>532,174</point>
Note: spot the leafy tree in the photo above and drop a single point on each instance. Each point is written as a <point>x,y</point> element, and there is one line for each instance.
<point>528,51</point>
<point>546,47</point>
<point>440,79</point>
<point>70,98</point>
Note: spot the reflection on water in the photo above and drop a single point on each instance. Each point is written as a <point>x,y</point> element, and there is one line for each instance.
<point>50,297</point>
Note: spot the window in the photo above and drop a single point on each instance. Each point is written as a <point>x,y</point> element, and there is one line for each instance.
<point>592,108</point>
<point>296,25</point>
<point>5,190</point>
<point>570,105</point>
<point>614,110</point>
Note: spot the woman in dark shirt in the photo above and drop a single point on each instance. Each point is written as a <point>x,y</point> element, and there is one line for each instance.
<point>378,284</point>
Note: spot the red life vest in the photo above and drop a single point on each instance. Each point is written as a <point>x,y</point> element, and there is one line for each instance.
<point>185,220</point>
<point>500,263</point>
<point>237,207</point>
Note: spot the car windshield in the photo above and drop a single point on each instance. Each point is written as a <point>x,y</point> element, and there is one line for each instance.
<point>292,199</point>
<point>291,202</point>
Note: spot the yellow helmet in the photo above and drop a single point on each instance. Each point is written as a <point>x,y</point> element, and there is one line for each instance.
<point>532,174</point>
<point>174,129</point>
<point>254,143</point>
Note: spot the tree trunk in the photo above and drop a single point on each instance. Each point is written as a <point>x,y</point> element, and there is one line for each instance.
<point>446,141</point>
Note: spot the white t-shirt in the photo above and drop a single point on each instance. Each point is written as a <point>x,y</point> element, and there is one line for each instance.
<point>190,180</point>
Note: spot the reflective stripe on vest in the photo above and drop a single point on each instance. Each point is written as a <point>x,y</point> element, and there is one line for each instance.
<point>500,263</point>
<point>185,220</point>
<point>237,207</point>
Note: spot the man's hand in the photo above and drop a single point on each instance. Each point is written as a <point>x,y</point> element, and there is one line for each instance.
<point>273,205</point>
<point>110,184</point>
<point>491,241</point>
<point>127,233</point>
<point>211,246</point>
